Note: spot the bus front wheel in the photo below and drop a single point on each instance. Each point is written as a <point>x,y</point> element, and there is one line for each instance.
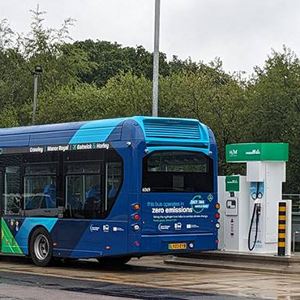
<point>114,261</point>
<point>41,247</point>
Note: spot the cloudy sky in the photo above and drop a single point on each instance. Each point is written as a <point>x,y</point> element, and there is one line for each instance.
<point>240,32</point>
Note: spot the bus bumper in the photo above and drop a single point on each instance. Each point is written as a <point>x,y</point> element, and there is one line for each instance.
<point>176,243</point>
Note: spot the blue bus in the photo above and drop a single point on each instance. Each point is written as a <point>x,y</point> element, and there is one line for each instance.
<point>108,189</point>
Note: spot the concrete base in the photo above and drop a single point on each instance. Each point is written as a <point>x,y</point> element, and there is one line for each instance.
<point>240,261</point>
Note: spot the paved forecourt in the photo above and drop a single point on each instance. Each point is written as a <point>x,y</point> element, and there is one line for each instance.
<point>152,273</point>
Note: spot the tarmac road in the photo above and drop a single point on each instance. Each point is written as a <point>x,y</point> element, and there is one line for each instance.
<point>17,287</point>
<point>148,278</point>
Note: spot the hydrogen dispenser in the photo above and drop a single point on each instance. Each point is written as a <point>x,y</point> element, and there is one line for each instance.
<point>249,204</point>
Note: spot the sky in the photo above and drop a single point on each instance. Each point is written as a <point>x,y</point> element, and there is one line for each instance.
<point>241,32</point>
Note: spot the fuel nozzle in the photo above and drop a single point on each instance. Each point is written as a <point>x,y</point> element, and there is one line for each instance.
<point>257,204</point>
<point>258,209</point>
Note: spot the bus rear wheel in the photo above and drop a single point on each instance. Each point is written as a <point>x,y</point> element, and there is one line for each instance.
<point>41,247</point>
<point>114,261</point>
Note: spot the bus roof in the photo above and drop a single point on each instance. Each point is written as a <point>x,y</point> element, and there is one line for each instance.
<point>155,131</point>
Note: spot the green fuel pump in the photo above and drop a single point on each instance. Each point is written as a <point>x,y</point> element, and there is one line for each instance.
<point>252,224</point>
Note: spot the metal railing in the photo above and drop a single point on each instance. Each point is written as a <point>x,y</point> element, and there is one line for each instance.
<point>295,217</point>
<point>295,201</point>
<point>295,233</point>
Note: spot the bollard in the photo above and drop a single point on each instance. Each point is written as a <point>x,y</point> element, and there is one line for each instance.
<point>282,229</point>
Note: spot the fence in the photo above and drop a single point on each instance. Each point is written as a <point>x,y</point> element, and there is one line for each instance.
<point>295,219</point>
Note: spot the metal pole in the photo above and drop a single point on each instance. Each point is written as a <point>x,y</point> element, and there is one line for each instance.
<point>35,89</point>
<point>156,60</point>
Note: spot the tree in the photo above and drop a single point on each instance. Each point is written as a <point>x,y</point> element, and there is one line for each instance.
<point>274,108</point>
<point>128,95</point>
<point>123,95</point>
<point>98,79</point>
<point>209,95</point>
<point>67,104</point>
<point>110,59</point>
<point>8,117</point>
<point>19,54</point>
<point>6,35</point>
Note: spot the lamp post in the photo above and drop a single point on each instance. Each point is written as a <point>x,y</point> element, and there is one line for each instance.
<point>38,70</point>
<point>156,60</point>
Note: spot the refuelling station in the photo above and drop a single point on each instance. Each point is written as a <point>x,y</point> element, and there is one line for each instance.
<point>253,216</point>
<point>256,224</point>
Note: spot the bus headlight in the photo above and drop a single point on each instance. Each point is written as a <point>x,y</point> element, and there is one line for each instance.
<point>218,225</point>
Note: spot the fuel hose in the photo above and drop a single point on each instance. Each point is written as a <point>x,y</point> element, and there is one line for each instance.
<point>255,213</point>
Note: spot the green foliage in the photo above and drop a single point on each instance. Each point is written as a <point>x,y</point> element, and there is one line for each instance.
<point>67,104</point>
<point>47,47</point>
<point>19,54</point>
<point>209,95</point>
<point>8,117</point>
<point>14,84</point>
<point>274,96</point>
<point>274,108</point>
<point>109,59</point>
<point>127,95</point>
<point>123,95</point>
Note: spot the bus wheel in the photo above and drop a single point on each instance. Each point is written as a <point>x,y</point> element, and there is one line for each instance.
<point>114,261</point>
<point>41,247</point>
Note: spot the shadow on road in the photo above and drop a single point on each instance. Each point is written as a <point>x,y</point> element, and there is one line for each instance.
<point>88,265</point>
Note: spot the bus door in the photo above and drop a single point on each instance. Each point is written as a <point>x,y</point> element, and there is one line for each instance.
<point>1,211</point>
<point>11,210</point>
<point>83,194</point>
<point>91,188</point>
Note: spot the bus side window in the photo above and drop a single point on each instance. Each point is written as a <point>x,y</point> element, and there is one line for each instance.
<point>40,186</point>
<point>83,192</point>
<point>13,201</point>
<point>113,173</point>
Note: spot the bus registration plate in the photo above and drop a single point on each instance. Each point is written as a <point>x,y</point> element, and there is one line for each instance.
<point>177,246</point>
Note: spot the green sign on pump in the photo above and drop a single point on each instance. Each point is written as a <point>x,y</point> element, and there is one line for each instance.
<point>232,183</point>
<point>257,152</point>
